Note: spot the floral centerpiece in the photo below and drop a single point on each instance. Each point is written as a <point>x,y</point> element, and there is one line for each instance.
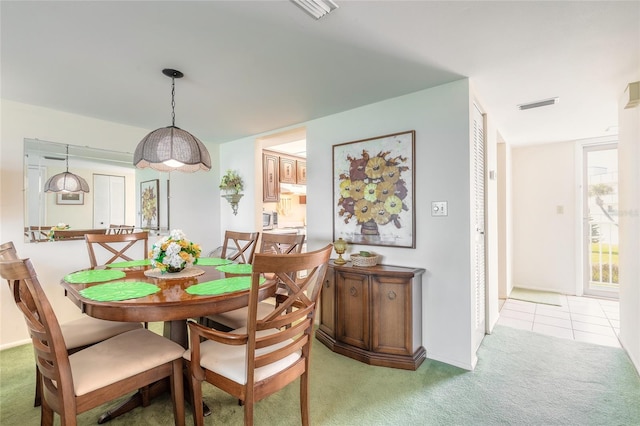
<point>173,253</point>
<point>59,227</point>
<point>231,182</point>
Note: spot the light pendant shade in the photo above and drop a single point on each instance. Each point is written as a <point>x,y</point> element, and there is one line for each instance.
<point>66,182</point>
<point>171,148</point>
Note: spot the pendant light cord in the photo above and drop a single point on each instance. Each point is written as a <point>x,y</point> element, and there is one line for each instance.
<point>173,102</point>
<point>67,158</point>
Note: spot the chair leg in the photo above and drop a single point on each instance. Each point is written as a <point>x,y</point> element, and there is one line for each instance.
<point>248,413</point>
<point>46,415</point>
<point>304,398</point>
<point>196,394</point>
<point>37,401</point>
<point>177,392</point>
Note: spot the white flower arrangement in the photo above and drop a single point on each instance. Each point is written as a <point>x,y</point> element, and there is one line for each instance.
<point>174,252</point>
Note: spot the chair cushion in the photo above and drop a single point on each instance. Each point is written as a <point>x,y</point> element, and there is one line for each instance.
<point>119,357</point>
<point>230,361</point>
<point>238,318</point>
<point>88,330</point>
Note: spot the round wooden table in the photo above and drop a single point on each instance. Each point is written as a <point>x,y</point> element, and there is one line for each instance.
<point>172,305</point>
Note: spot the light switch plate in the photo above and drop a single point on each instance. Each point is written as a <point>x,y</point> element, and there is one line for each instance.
<point>439,208</point>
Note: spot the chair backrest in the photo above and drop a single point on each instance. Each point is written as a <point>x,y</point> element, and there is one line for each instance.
<point>8,251</point>
<point>48,343</point>
<point>281,243</point>
<point>120,229</point>
<point>289,330</point>
<point>119,246</point>
<point>239,246</point>
<point>37,233</point>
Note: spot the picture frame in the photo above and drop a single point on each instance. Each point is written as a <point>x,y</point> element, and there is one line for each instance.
<point>374,190</point>
<point>70,198</point>
<point>149,204</point>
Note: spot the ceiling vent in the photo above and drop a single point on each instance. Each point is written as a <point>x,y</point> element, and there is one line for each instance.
<point>316,8</point>
<point>538,104</point>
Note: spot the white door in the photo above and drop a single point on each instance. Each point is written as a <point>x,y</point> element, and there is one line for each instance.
<point>478,200</point>
<point>36,203</point>
<point>600,214</point>
<point>108,200</point>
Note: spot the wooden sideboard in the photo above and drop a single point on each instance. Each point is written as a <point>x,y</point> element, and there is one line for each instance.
<point>373,314</point>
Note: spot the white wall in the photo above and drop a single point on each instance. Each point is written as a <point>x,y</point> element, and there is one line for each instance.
<point>440,117</point>
<point>544,240</point>
<point>629,259</point>
<point>192,209</point>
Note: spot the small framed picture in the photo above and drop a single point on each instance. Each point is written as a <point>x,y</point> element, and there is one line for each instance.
<point>149,204</point>
<point>76,198</point>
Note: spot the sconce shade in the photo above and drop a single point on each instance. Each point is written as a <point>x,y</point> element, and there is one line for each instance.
<point>158,148</point>
<point>66,182</point>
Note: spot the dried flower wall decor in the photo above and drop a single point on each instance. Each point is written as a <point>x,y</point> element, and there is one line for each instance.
<point>373,186</point>
<point>149,204</point>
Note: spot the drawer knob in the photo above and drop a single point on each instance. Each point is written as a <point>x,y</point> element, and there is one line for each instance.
<point>353,291</point>
<point>392,295</point>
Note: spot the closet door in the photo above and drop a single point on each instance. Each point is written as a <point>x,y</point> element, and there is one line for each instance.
<point>108,201</point>
<point>478,214</point>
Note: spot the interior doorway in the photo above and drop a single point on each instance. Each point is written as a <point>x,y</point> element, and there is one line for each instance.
<point>600,220</point>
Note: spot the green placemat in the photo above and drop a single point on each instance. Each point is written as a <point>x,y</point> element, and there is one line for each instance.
<point>121,290</point>
<point>212,261</point>
<point>225,285</point>
<point>130,264</point>
<point>94,276</point>
<point>236,268</point>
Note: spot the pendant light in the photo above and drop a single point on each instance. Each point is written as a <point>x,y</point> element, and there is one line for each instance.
<point>66,182</point>
<point>171,148</point>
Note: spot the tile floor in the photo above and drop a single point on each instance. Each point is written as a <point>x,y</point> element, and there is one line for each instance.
<point>583,319</point>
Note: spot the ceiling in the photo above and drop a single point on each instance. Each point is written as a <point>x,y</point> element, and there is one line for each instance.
<point>252,67</point>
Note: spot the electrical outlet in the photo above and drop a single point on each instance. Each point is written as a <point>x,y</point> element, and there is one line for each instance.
<point>439,208</point>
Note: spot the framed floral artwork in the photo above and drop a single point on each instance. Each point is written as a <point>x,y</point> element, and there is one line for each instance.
<point>374,189</point>
<point>149,204</point>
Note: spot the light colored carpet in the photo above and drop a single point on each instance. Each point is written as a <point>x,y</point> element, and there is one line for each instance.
<point>522,378</point>
<point>536,296</point>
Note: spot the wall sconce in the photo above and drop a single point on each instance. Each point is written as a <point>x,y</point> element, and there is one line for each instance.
<point>340,246</point>
<point>233,199</point>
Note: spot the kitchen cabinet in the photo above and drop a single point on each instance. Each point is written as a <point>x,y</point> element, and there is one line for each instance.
<point>287,170</point>
<point>373,314</point>
<point>270,177</point>
<point>301,172</point>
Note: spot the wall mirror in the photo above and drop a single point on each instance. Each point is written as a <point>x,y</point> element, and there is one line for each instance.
<point>114,199</point>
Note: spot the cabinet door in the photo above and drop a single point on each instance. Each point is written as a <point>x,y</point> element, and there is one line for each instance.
<point>301,172</point>
<point>391,315</point>
<point>270,180</point>
<point>287,170</point>
<point>352,310</point>
<point>328,305</point>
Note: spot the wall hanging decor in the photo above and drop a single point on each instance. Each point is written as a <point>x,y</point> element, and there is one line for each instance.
<point>374,189</point>
<point>149,204</point>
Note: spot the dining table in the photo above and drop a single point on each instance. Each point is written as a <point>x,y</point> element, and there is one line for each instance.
<point>136,291</point>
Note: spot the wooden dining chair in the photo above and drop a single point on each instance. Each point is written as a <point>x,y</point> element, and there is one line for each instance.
<point>237,246</point>
<point>72,384</point>
<point>120,229</point>
<point>118,247</point>
<point>269,243</point>
<point>256,361</point>
<point>78,334</point>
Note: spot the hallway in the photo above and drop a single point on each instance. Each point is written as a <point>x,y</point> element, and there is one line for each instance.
<point>582,319</point>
